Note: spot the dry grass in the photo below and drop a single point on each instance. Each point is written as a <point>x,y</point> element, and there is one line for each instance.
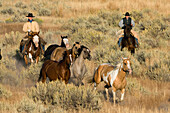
<point>92,21</point>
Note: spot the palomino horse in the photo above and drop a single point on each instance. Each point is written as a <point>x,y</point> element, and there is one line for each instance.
<point>51,48</point>
<point>57,70</point>
<point>33,48</point>
<point>78,69</point>
<point>128,40</point>
<point>113,76</point>
<point>57,54</point>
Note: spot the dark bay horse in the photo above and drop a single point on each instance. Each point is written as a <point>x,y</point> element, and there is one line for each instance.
<point>57,54</point>
<point>113,76</point>
<point>128,39</point>
<point>51,48</point>
<point>57,70</point>
<point>33,48</point>
<point>78,69</point>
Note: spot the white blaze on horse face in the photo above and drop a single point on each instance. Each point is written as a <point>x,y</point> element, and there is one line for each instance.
<point>128,65</point>
<point>36,40</point>
<point>70,58</point>
<point>65,40</point>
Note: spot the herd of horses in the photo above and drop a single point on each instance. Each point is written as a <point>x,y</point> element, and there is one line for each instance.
<point>67,65</point>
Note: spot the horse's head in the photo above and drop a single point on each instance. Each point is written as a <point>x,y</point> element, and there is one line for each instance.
<point>35,38</point>
<point>126,66</point>
<point>86,51</point>
<point>65,41</point>
<point>127,30</point>
<point>76,48</point>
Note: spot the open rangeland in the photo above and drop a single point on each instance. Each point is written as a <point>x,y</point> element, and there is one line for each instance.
<point>95,25</point>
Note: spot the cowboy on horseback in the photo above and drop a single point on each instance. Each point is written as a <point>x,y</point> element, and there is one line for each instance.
<point>29,27</point>
<point>127,20</point>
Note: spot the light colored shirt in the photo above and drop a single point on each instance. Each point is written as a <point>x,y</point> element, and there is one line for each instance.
<point>33,26</point>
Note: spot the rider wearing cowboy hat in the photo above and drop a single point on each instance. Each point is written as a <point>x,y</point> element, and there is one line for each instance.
<point>30,26</point>
<point>127,20</point>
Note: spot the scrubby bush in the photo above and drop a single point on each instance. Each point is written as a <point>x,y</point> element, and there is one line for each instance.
<point>4,93</point>
<point>5,107</point>
<point>20,5</point>
<point>40,21</point>
<point>0,4</point>
<point>26,105</point>
<point>9,11</point>
<point>44,12</point>
<point>12,38</point>
<point>133,87</point>
<point>68,97</point>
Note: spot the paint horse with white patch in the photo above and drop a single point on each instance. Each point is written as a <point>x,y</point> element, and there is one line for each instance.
<point>113,76</point>
<point>33,48</point>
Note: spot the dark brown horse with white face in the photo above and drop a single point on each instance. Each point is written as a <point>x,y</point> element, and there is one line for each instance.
<point>51,48</point>
<point>128,39</point>
<point>33,48</point>
<point>113,76</point>
<point>57,70</point>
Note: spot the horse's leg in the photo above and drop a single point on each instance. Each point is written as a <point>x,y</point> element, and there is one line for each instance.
<point>114,94</point>
<point>107,94</point>
<point>132,51</point>
<point>37,59</point>
<point>43,74</point>
<point>122,94</point>
<point>30,56</point>
<point>25,58</point>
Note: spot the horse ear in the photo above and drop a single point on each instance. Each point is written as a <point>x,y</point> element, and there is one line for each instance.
<point>38,32</point>
<point>122,58</point>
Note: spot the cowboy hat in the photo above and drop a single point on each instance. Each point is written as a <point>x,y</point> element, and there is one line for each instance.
<point>30,15</point>
<point>127,14</point>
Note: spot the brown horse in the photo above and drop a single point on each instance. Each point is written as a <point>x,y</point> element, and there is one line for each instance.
<point>57,54</point>
<point>113,76</point>
<point>51,48</point>
<point>128,40</point>
<point>33,48</point>
<point>57,70</point>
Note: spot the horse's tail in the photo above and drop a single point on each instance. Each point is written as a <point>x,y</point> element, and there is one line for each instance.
<point>91,81</point>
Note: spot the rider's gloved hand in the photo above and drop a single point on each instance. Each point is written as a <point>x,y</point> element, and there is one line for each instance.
<point>29,32</point>
<point>123,27</point>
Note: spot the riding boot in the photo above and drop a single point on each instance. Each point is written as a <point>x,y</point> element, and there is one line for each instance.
<point>136,44</point>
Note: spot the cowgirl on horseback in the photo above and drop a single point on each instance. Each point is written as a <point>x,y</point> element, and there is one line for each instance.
<point>127,20</point>
<point>29,27</point>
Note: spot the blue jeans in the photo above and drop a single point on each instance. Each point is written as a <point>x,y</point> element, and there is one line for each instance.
<point>120,40</point>
<point>43,47</point>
